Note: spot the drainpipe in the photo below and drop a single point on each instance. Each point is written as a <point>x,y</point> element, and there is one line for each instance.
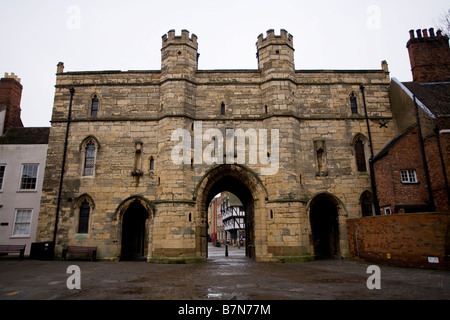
<point>372,171</point>
<point>58,205</point>
<point>425,163</point>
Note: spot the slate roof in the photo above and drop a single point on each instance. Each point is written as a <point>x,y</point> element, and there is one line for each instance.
<point>434,95</point>
<point>33,135</point>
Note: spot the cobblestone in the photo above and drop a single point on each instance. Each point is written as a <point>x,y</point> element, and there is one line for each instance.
<point>220,278</point>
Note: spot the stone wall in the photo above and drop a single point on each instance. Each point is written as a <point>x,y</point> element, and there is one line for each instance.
<point>145,107</point>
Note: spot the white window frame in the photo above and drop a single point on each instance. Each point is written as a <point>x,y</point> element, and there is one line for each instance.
<point>21,177</point>
<point>387,211</point>
<point>408,176</point>
<point>4,175</point>
<point>22,235</point>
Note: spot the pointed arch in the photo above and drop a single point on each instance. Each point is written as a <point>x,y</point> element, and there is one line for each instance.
<point>94,104</point>
<point>360,147</point>
<point>84,207</point>
<point>353,102</point>
<point>88,150</point>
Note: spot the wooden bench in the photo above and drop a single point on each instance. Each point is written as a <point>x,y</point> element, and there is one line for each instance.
<point>79,250</point>
<point>13,248</point>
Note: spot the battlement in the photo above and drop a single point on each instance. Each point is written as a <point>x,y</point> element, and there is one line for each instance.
<point>185,39</point>
<point>284,38</point>
<point>11,76</point>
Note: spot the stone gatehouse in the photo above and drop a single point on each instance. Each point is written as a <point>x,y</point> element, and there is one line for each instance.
<point>145,154</point>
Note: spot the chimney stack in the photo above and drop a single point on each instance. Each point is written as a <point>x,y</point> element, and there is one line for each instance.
<point>429,55</point>
<point>10,96</point>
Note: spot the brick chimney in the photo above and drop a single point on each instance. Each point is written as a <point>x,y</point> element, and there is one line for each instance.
<point>429,55</point>
<point>10,96</point>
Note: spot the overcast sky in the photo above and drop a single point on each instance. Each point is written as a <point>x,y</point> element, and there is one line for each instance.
<point>97,35</point>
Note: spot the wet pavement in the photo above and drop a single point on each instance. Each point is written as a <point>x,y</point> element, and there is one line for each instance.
<point>220,278</point>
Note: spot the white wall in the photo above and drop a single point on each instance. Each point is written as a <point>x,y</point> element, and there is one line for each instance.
<point>10,196</point>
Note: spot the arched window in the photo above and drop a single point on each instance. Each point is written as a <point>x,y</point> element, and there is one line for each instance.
<point>360,155</point>
<point>83,220</point>
<point>222,109</point>
<point>94,105</point>
<point>353,103</point>
<point>152,163</point>
<point>89,159</point>
<point>366,204</point>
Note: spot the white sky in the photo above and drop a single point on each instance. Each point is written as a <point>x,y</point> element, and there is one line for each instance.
<point>97,35</point>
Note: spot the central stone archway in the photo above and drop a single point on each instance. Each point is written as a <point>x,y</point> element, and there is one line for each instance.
<point>247,186</point>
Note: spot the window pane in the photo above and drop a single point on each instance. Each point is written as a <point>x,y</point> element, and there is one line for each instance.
<point>83,223</point>
<point>89,160</point>
<point>22,223</point>
<point>94,106</point>
<point>353,104</point>
<point>29,176</point>
<point>360,156</point>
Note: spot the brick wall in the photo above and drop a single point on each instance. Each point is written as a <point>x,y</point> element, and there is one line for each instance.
<point>405,154</point>
<point>435,167</point>
<point>405,240</point>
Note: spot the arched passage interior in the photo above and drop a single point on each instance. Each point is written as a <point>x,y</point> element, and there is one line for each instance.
<point>324,226</point>
<point>242,183</point>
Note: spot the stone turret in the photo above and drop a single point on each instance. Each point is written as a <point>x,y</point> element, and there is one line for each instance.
<point>276,55</point>
<point>179,55</point>
<point>276,64</point>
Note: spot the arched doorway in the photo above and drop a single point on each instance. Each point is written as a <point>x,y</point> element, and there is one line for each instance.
<point>134,232</point>
<point>242,183</point>
<point>324,226</point>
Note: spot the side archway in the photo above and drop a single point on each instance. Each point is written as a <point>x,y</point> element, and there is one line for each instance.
<point>325,213</point>
<point>135,216</point>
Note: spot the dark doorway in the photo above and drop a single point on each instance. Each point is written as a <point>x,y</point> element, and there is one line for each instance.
<point>134,233</point>
<point>324,226</point>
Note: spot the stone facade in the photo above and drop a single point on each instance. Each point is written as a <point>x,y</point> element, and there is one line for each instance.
<point>136,188</point>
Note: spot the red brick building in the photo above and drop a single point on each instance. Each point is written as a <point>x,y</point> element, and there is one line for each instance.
<point>413,170</point>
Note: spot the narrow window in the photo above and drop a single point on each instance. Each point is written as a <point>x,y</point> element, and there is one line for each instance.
<point>409,176</point>
<point>266,109</point>
<point>360,156</point>
<point>2,175</point>
<point>94,106</point>
<point>89,159</point>
<point>22,222</point>
<point>222,109</point>
<point>28,179</point>
<point>353,104</point>
<point>83,222</point>
<point>152,164</point>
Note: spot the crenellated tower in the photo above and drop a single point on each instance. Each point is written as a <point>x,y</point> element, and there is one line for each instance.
<point>178,67</point>
<point>276,55</point>
<point>179,55</point>
<point>276,63</point>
